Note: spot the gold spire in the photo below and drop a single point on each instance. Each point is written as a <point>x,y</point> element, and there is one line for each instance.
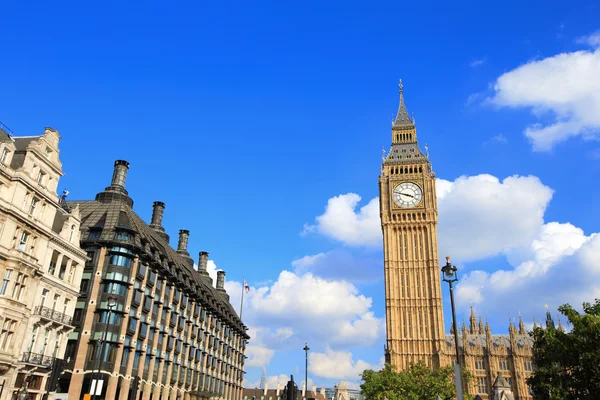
<point>481,328</point>
<point>560,327</point>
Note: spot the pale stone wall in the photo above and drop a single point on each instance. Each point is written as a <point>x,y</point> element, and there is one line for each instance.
<point>37,297</point>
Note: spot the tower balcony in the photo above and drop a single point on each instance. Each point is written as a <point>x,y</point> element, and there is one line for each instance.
<point>53,315</point>
<point>38,359</point>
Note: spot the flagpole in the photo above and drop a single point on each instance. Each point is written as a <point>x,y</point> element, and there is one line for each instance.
<point>242,302</point>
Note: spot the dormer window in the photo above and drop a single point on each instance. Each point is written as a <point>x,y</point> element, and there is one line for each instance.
<point>4,157</point>
<point>48,152</point>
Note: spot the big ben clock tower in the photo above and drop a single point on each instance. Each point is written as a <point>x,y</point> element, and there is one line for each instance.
<point>414,316</point>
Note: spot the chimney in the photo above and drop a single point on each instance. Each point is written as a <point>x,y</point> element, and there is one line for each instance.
<point>202,262</point>
<point>266,384</point>
<point>278,389</point>
<point>182,244</point>
<point>158,210</point>
<point>120,173</point>
<point>221,280</point>
<point>116,191</point>
<point>304,389</point>
<point>314,390</point>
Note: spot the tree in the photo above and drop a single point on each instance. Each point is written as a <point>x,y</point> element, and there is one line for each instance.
<point>417,382</point>
<point>567,364</point>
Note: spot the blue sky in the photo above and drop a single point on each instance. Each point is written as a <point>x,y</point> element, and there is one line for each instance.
<point>246,119</point>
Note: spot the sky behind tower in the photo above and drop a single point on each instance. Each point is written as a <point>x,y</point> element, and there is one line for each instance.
<point>260,125</point>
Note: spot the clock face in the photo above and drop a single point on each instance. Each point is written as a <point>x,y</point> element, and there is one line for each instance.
<point>407,195</point>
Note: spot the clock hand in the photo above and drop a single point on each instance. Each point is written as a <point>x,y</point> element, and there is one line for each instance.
<point>406,194</point>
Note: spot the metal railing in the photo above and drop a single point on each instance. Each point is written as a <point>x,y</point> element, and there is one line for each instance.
<point>38,359</point>
<point>6,129</point>
<point>53,315</point>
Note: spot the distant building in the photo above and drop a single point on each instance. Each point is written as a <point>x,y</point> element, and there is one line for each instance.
<point>341,392</point>
<point>41,264</point>
<point>170,334</point>
<point>275,394</point>
<point>414,313</point>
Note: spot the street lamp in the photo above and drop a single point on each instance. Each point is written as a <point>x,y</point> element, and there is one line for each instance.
<point>23,393</point>
<point>306,349</point>
<point>111,302</point>
<point>450,276</point>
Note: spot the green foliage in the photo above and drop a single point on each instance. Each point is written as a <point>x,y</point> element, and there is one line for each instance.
<point>567,364</point>
<point>418,382</point>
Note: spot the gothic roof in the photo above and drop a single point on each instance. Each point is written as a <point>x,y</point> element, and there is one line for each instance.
<point>109,214</point>
<point>501,382</point>
<point>405,153</point>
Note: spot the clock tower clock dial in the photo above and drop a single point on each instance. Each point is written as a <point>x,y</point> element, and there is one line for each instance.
<point>413,299</point>
<point>407,195</point>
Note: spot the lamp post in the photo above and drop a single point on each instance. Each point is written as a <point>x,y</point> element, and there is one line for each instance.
<point>23,393</point>
<point>111,302</point>
<point>450,276</point>
<point>306,349</point>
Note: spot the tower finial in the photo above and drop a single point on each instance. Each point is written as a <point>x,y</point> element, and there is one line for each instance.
<point>401,91</point>
<point>402,119</point>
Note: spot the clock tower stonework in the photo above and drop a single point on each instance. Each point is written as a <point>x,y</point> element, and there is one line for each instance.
<point>408,207</point>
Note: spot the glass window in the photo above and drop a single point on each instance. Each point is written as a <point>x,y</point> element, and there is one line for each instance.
<point>115,288</point>
<point>23,241</point>
<point>482,385</point>
<point>132,324</point>
<point>33,205</point>
<point>116,276</point>
<point>125,359</point>
<point>6,333</point>
<point>19,288</point>
<point>120,260</point>
<point>4,157</point>
<point>5,282</point>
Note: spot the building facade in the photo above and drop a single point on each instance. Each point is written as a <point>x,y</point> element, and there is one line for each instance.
<point>148,324</point>
<point>413,297</point>
<point>41,264</point>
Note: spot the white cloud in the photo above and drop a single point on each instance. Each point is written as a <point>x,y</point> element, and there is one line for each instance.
<point>477,62</point>
<point>258,355</point>
<point>342,222</point>
<point>284,314</point>
<point>565,86</point>
<point>481,216</point>
<point>562,267</point>
<point>592,39</point>
<point>338,365</point>
<point>498,139</point>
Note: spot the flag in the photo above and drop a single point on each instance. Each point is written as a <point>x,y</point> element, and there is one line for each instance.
<point>246,287</point>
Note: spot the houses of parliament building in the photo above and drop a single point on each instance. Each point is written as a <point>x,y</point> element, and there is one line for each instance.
<point>414,314</point>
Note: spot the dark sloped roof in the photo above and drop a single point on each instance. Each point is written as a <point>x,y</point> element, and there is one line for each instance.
<point>21,143</point>
<point>405,153</point>
<point>111,215</point>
